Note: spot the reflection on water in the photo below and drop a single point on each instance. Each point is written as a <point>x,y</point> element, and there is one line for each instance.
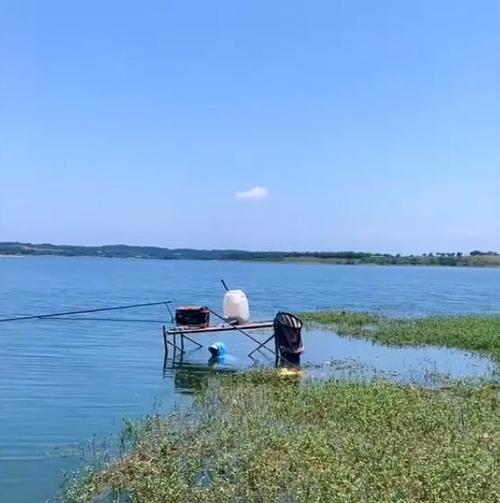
<point>191,376</point>
<point>62,382</point>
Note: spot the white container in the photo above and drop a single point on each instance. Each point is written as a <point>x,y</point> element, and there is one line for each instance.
<point>235,307</point>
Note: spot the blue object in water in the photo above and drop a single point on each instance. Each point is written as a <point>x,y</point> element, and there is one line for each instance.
<point>217,349</point>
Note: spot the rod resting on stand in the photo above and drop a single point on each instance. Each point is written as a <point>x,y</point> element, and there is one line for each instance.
<point>84,311</point>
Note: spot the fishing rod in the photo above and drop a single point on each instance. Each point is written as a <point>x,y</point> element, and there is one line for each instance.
<point>90,318</point>
<point>84,311</point>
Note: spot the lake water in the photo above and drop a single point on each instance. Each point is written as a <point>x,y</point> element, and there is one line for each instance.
<point>61,382</point>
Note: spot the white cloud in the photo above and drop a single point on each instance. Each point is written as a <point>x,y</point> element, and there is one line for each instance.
<point>254,194</point>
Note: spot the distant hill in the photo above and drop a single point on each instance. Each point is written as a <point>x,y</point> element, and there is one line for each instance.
<point>476,258</point>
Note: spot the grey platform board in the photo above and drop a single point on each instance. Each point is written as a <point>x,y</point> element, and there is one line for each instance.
<point>220,328</point>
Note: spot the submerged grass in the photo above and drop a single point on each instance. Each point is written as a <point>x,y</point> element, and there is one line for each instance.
<point>344,322</point>
<point>479,333</point>
<point>262,437</point>
<point>474,333</point>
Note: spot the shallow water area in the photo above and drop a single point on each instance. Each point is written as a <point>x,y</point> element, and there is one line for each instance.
<point>359,358</point>
<point>328,355</point>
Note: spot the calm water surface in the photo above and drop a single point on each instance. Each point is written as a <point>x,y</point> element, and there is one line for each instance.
<point>63,381</point>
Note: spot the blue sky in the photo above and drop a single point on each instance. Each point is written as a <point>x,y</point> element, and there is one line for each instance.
<point>358,124</point>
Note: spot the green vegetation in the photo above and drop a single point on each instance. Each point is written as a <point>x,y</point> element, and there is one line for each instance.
<point>343,322</point>
<point>265,437</point>
<point>475,259</point>
<point>479,333</point>
<point>268,437</point>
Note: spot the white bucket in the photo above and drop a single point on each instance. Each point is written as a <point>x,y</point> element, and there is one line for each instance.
<point>235,307</point>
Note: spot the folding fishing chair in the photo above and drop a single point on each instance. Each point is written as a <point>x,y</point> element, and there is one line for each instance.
<point>287,337</point>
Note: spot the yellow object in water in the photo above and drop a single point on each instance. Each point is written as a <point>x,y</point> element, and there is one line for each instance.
<point>284,372</point>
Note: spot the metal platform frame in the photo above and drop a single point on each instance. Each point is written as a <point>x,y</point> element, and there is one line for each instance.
<point>184,333</point>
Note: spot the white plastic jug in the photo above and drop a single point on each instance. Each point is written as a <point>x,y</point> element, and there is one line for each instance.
<point>235,306</point>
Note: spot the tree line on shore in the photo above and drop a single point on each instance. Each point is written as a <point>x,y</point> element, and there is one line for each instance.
<point>474,258</point>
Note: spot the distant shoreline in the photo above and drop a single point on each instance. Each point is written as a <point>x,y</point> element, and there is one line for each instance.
<point>472,259</point>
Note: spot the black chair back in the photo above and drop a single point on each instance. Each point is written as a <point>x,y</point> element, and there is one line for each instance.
<point>287,333</point>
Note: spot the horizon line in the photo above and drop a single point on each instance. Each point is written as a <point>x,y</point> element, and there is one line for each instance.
<point>474,251</point>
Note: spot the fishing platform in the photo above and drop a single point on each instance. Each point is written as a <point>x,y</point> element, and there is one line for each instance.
<point>184,333</point>
<point>195,320</point>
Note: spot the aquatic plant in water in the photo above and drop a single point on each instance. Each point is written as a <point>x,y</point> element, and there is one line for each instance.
<point>479,333</point>
<point>265,437</point>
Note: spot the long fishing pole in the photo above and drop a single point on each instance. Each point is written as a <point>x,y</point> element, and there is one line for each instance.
<point>91,318</point>
<point>84,311</point>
